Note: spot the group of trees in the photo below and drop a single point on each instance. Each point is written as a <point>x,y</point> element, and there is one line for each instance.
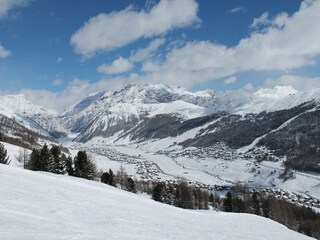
<point>298,218</point>
<point>181,195</point>
<point>121,180</point>
<point>55,161</point>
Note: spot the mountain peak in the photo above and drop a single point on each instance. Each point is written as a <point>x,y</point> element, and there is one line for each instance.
<point>276,92</point>
<point>10,104</point>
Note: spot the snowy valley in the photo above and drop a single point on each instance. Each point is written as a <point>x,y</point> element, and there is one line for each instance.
<point>163,133</point>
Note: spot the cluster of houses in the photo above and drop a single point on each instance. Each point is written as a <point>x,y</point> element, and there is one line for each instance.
<point>145,169</point>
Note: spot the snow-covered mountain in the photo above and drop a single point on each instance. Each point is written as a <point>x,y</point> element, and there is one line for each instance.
<point>127,111</point>
<point>282,120</point>
<point>160,133</point>
<point>134,101</point>
<point>74,208</point>
<point>32,117</point>
<point>138,113</point>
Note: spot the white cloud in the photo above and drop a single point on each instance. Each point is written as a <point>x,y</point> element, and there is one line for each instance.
<point>298,82</point>
<point>57,82</point>
<point>7,5</point>
<point>119,65</point>
<point>145,53</point>
<point>106,32</point>
<point>262,20</point>
<point>59,60</point>
<point>230,80</point>
<point>289,42</point>
<point>122,65</point>
<point>279,21</point>
<point>4,52</point>
<point>238,9</point>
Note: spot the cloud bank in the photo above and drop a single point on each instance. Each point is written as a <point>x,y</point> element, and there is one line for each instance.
<point>280,43</point>
<point>7,5</point>
<point>106,32</point>
<point>285,43</point>
<point>119,65</point>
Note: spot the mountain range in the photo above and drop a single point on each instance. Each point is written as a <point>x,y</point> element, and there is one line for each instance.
<point>282,120</point>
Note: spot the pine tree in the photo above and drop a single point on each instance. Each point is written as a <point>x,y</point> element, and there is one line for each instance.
<point>157,192</point>
<point>108,178</point>
<point>4,159</point>
<point>227,203</point>
<point>45,158</point>
<point>69,165</point>
<point>84,166</point>
<point>34,162</point>
<point>256,203</point>
<point>266,208</point>
<point>57,163</point>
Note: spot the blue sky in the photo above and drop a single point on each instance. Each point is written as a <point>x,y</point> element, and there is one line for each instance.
<point>56,51</point>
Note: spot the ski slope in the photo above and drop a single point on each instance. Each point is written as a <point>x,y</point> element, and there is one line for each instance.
<point>37,205</point>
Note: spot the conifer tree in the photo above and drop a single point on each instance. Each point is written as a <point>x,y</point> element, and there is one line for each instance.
<point>34,162</point>
<point>45,158</point>
<point>57,163</point>
<point>227,203</point>
<point>157,192</point>
<point>69,165</point>
<point>84,166</point>
<point>4,159</point>
<point>256,203</point>
<point>108,178</point>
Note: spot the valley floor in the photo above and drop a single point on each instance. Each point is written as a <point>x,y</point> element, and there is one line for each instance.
<point>206,171</point>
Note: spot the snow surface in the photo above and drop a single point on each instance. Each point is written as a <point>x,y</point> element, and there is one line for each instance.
<point>203,170</point>
<point>37,205</point>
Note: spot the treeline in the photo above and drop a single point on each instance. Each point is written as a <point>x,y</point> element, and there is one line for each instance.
<point>55,161</point>
<point>120,180</point>
<point>299,218</point>
<point>23,136</point>
<point>181,194</point>
<point>18,141</point>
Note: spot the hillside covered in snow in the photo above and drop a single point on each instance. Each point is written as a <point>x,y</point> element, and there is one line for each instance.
<point>73,208</point>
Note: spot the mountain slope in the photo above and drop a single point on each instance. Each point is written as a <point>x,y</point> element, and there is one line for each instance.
<point>32,117</point>
<point>135,109</point>
<point>35,205</point>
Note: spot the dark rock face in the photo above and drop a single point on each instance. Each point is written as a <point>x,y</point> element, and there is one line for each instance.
<point>299,141</point>
<point>292,132</point>
<point>239,131</point>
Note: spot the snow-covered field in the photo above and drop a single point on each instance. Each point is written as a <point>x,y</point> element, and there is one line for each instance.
<point>204,170</point>
<point>37,205</point>
<point>150,165</point>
